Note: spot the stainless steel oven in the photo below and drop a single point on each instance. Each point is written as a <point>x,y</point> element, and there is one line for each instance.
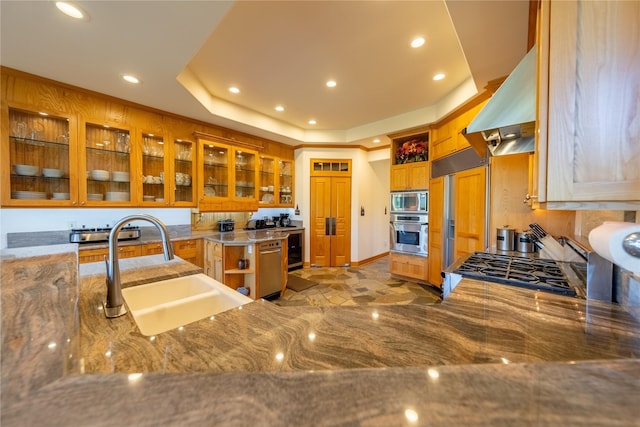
<point>410,202</point>
<point>409,233</point>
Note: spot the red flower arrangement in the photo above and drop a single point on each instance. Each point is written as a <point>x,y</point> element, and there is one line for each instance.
<point>412,151</point>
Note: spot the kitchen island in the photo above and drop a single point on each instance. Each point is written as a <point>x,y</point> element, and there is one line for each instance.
<point>487,355</point>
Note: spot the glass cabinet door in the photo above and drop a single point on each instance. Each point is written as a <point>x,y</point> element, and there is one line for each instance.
<point>41,160</point>
<point>108,165</point>
<point>153,169</point>
<point>267,180</point>
<point>245,174</point>
<point>215,167</point>
<point>183,168</point>
<point>286,182</point>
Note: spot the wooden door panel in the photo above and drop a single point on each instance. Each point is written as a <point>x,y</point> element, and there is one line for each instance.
<point>320,243</point>
<point>341,211</point>
<point>470,203</point>
<point>436,236</point>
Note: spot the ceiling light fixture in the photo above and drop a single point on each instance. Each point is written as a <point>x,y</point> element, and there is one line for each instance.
<point>438,76</point>
<point>70,10</point>
<point>279,108</point>
<point>417,42</point>
<point>234,89</point>
<point>312,122</point>
<point>331,83</point>
<point>42,113</point>
<point>130,79</point>
<point>376,141</point>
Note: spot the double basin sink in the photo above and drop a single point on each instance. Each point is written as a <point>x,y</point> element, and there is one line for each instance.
<point>168,304</point>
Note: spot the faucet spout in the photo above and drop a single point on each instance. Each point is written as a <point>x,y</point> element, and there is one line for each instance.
<point>114,304</point>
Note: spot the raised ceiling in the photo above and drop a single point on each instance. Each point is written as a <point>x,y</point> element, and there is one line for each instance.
<point>188,53</point>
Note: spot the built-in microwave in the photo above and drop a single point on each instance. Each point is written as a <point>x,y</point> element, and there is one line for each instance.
<point>410,202</point>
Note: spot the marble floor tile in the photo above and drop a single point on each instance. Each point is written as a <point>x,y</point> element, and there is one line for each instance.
<point>370,284</point>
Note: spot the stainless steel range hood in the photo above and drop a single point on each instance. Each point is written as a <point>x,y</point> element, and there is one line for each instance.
<point>506,125</point>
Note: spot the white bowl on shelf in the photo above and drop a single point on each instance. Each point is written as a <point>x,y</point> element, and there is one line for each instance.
<point>119,176</point>
<point>148,198</point>
<point>99,175</point>
<point>120,196</point>
<point>52,173</point>
<point>159,199</point>
<point>95,196</point>
<point>31,195</point>
<point>26,170</point>
<point>60,196</point>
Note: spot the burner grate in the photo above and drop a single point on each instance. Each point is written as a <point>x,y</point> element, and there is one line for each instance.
<point>530,273</point>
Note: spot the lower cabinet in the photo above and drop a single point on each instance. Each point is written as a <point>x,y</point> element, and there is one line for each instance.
<point>410,266</point>
<point>233,265</point>
<point>86,256</point>
<point>189,250</point>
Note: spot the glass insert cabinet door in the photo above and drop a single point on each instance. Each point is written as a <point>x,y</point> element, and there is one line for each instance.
<point>267,180</point>
<point>183,154</point>
<point>285,180</point>
<point>245,174</point>
<point>107,165</point>
<point>215,167</point>
<point>40,157</point>
<point>153,169</point>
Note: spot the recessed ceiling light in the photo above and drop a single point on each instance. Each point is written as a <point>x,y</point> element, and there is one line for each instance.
<point>376,141</point>
<point>42,113</point>
<point>312,122</point>
<point>70,10</point>
<point>331,83</point>
<point>417,42</point>
<point>234,89</point>
<point>438,76</point>
<point>131,79</point>
<point>279,108</point>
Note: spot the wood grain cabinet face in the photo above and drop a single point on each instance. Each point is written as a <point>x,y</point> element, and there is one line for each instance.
<point>183,173</point>
<point>414,267</point>
<point>589,127</point>
<point>156,179</point>
<point>410,162</point>
<point>98,255</point>
<point>39,154</point>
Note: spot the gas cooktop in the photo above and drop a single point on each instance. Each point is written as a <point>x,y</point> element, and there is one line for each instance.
<point>531,273</point>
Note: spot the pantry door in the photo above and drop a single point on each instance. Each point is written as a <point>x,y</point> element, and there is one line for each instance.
<point>330,234</point>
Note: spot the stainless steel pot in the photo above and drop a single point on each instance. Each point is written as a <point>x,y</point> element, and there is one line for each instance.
<point>505,238</point>
<point>524,243</point>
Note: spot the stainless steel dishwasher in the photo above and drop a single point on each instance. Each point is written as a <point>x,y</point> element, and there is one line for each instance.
<point>270,269</point>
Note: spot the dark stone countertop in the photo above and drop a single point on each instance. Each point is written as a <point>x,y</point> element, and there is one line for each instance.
<point>488,355</point>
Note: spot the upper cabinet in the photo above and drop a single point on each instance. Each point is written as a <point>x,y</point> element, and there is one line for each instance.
<point>106,165</point>
<point>228,176</point>
<point>588,149</point>
<point>39,155</point>
<point>448,136</point>
<point>183,172</point>
<point>276,182</point>
<point>410,161</point>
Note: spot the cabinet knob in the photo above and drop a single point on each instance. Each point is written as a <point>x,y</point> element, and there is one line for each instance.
<point>528,198</point>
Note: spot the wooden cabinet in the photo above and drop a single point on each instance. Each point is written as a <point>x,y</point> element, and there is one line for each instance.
<point>410,176</point>
<point>276,182</point>
<point>469,212</point>
<point>587,152</point>
<point>96,255</point>
<point>155,166</point>
<point>39,154</point>
<point>410,161</point>
<point>189,250</point>
<point>221,263</point>
<point>436,230</point>
<point>182,174</point>
<point>448,135</point>
<point>228,176</point>
<point>213,260</point>
<point>414,267</point>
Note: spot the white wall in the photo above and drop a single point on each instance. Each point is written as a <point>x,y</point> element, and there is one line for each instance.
<point>369,188</point>
<point>27,220</point>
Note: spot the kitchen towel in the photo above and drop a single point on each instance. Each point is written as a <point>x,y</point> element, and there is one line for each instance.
<point>606,240</point>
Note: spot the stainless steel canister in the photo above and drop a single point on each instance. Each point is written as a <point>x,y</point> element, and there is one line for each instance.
<point>524,243</point>
<point>505,238</point>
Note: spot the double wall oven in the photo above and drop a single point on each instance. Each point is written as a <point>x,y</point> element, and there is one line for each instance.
<point>409,223</point>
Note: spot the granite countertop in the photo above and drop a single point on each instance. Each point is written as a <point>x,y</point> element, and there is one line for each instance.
<point>488,355</point>
<point>149,235</point>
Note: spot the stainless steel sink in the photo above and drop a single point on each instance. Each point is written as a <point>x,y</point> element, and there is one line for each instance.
<point>168,304</point>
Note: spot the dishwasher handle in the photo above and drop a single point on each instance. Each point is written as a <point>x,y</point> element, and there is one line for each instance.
<point>270,252</point>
